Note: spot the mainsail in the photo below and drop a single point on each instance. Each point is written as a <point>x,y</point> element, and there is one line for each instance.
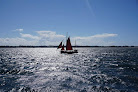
<point>68,44</point>
<point>60,45</point>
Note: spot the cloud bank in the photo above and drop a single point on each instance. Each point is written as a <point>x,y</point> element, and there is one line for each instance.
<point>16,42</point>
<point>52,38</point>
<point>49,38</point>
<point>98,39</point>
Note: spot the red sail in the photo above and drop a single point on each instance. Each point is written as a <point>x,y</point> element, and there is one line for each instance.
<point>68,45</point>
<point>60,45</point>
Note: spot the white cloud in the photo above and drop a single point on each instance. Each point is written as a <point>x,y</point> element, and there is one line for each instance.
<point>29,36</point>
<point>20,30</point>
<point>49,34</point>
<point>105,35</point>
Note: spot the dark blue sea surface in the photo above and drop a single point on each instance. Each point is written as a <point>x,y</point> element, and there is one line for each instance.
<point>102,69</point>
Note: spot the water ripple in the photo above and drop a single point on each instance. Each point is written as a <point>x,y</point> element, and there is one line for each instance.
<point>45,69</point>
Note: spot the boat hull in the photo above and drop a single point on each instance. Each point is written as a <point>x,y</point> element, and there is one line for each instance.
<point>69,51</point>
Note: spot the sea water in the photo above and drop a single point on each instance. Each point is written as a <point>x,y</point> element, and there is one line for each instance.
<point>46,69</point>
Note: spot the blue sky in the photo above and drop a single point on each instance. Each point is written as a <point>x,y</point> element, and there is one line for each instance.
<point>89,22</point>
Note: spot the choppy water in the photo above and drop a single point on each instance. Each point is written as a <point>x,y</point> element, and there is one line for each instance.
<point>92,69</point>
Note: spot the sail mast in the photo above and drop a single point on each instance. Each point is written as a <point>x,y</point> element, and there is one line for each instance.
<point>75,43</point>
<point>66,39</point>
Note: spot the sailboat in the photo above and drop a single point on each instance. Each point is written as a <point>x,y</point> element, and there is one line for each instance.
<point>69,49</point>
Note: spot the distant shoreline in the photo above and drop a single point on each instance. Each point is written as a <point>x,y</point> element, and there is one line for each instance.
<point>56,46</point>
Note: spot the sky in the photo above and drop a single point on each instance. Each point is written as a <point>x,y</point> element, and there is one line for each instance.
<point>89,22</point>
